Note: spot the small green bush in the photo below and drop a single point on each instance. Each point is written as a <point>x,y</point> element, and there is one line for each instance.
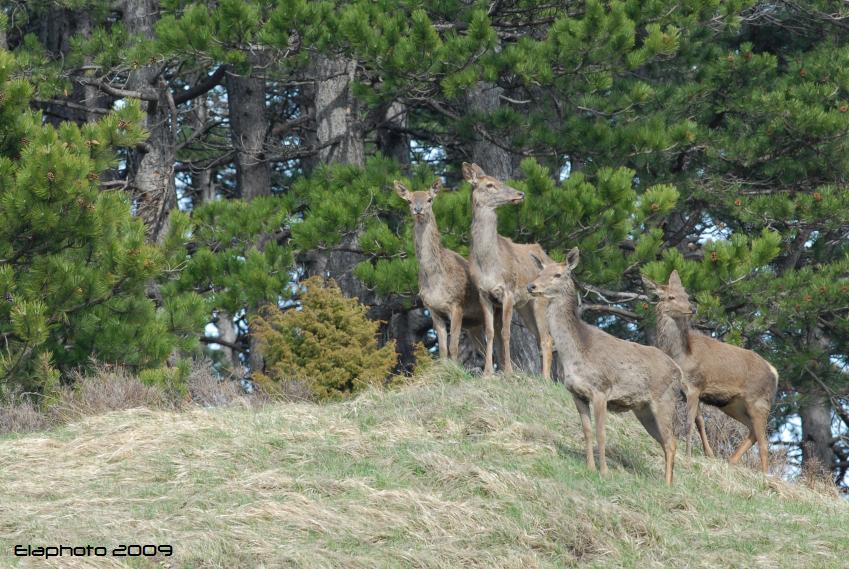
<point>329,344</point>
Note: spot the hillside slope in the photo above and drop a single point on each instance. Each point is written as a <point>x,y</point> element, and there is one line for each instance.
<point>452,472</point>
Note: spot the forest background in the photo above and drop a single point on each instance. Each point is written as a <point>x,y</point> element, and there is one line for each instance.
<point>169,168</point>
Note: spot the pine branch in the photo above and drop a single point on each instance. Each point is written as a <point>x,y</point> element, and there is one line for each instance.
<point>45,105</point>
<point>201,87</point>
<point>147,95</point>
<point>621,312</point>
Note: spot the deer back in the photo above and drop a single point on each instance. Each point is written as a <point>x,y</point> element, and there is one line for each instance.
<point>722,371</point>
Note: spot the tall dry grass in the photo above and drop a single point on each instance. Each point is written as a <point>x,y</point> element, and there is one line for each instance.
<point>104,388</point>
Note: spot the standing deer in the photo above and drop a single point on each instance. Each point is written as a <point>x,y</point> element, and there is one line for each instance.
<point>501,270</point>
<point>737,381</point>
<point>606,372</point>
<point>445,285</point>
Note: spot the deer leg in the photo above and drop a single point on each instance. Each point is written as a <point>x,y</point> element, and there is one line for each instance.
<point>546,343</point>
<point>759,420</point>
<point>489,331</point>
<point>584,412</point>
<point>736,411</point>
<point>506,319</point>
<point>744,446</point>
<point>657,420</point>
<point>700,423</point>
<point>441,334</point>
<point>454,337</point>
<point>600,412</point>
<point>664,414</point>
<point>692,413</point>
<point>498,354</point>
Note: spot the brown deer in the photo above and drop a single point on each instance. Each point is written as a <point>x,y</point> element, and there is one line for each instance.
<point>739,382</point>
<point>501,270</point>
<point>445,285</point>
<point>606,372</point>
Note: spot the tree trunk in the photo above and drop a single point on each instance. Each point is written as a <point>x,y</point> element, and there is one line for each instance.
<point>338,130</point>
<point>203,181</point>
<point>406,327</point>
<point>88,95</point>
<point>817,438</point>
<point>485,99</point>
<point>248,128</point>
<point>154,191</point>
<point>391,142</point>
<point>228,333</point>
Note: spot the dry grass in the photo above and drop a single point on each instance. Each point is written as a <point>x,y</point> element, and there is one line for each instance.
<point>208,390</point>
<point>20,415</point>
<point>105,388</point>
<point>451,471</point>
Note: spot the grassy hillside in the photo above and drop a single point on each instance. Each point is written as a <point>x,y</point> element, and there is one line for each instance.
<point>452,472</point>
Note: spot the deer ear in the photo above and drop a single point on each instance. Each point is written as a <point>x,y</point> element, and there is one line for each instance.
<point>537,262</point>
<point>650,286</point>
<point>435,187</point>
<point>471,172</point>
<point>402,191</point>
<point>572,257</point>
<point>675,281</point>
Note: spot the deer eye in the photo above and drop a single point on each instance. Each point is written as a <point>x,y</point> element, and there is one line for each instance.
<point>429,200</point>
<point>671,297</point>
<point>490,185</point>
<point>558,275</point>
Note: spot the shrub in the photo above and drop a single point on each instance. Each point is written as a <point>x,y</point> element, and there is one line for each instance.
<point>21,417</point>
<point>328,344</point>
<point>207,389</point>
<point>103,389</point>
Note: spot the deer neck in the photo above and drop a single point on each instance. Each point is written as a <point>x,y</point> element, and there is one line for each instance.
<point>673,335</point>
<point>567,328</point>
<point>428,248</point>
<point>484,250</point>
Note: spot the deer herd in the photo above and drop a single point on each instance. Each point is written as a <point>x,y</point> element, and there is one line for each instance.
<point>602,372</point>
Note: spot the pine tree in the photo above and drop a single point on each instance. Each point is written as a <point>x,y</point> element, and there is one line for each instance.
<point>74,263</point>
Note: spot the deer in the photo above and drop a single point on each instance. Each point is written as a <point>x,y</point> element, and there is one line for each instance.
<point>502,269</point>
<point>445,285</point>
<point>739,382</point>
<point>605,373</point>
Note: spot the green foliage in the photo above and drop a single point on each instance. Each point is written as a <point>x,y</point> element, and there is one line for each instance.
<point>171,380</point>
<point>74,264</point>
<point>327,343</point>
<point>424,359</point>
<point>237,260</point>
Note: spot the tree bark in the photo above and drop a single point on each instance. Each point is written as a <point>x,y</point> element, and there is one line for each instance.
<point>485,99</point>
<point>339,132</point>
<point>817,438</point>
<point>391,142</point>
<point>249,128</point>
<point>88,95</point>
<point>154,191</point>
<point>203,181</point>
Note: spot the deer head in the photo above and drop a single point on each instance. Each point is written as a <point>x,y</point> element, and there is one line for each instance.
<point>555,279</point>
<point>672,298</point>
<point>488,191</point>
<point>421,203</point>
